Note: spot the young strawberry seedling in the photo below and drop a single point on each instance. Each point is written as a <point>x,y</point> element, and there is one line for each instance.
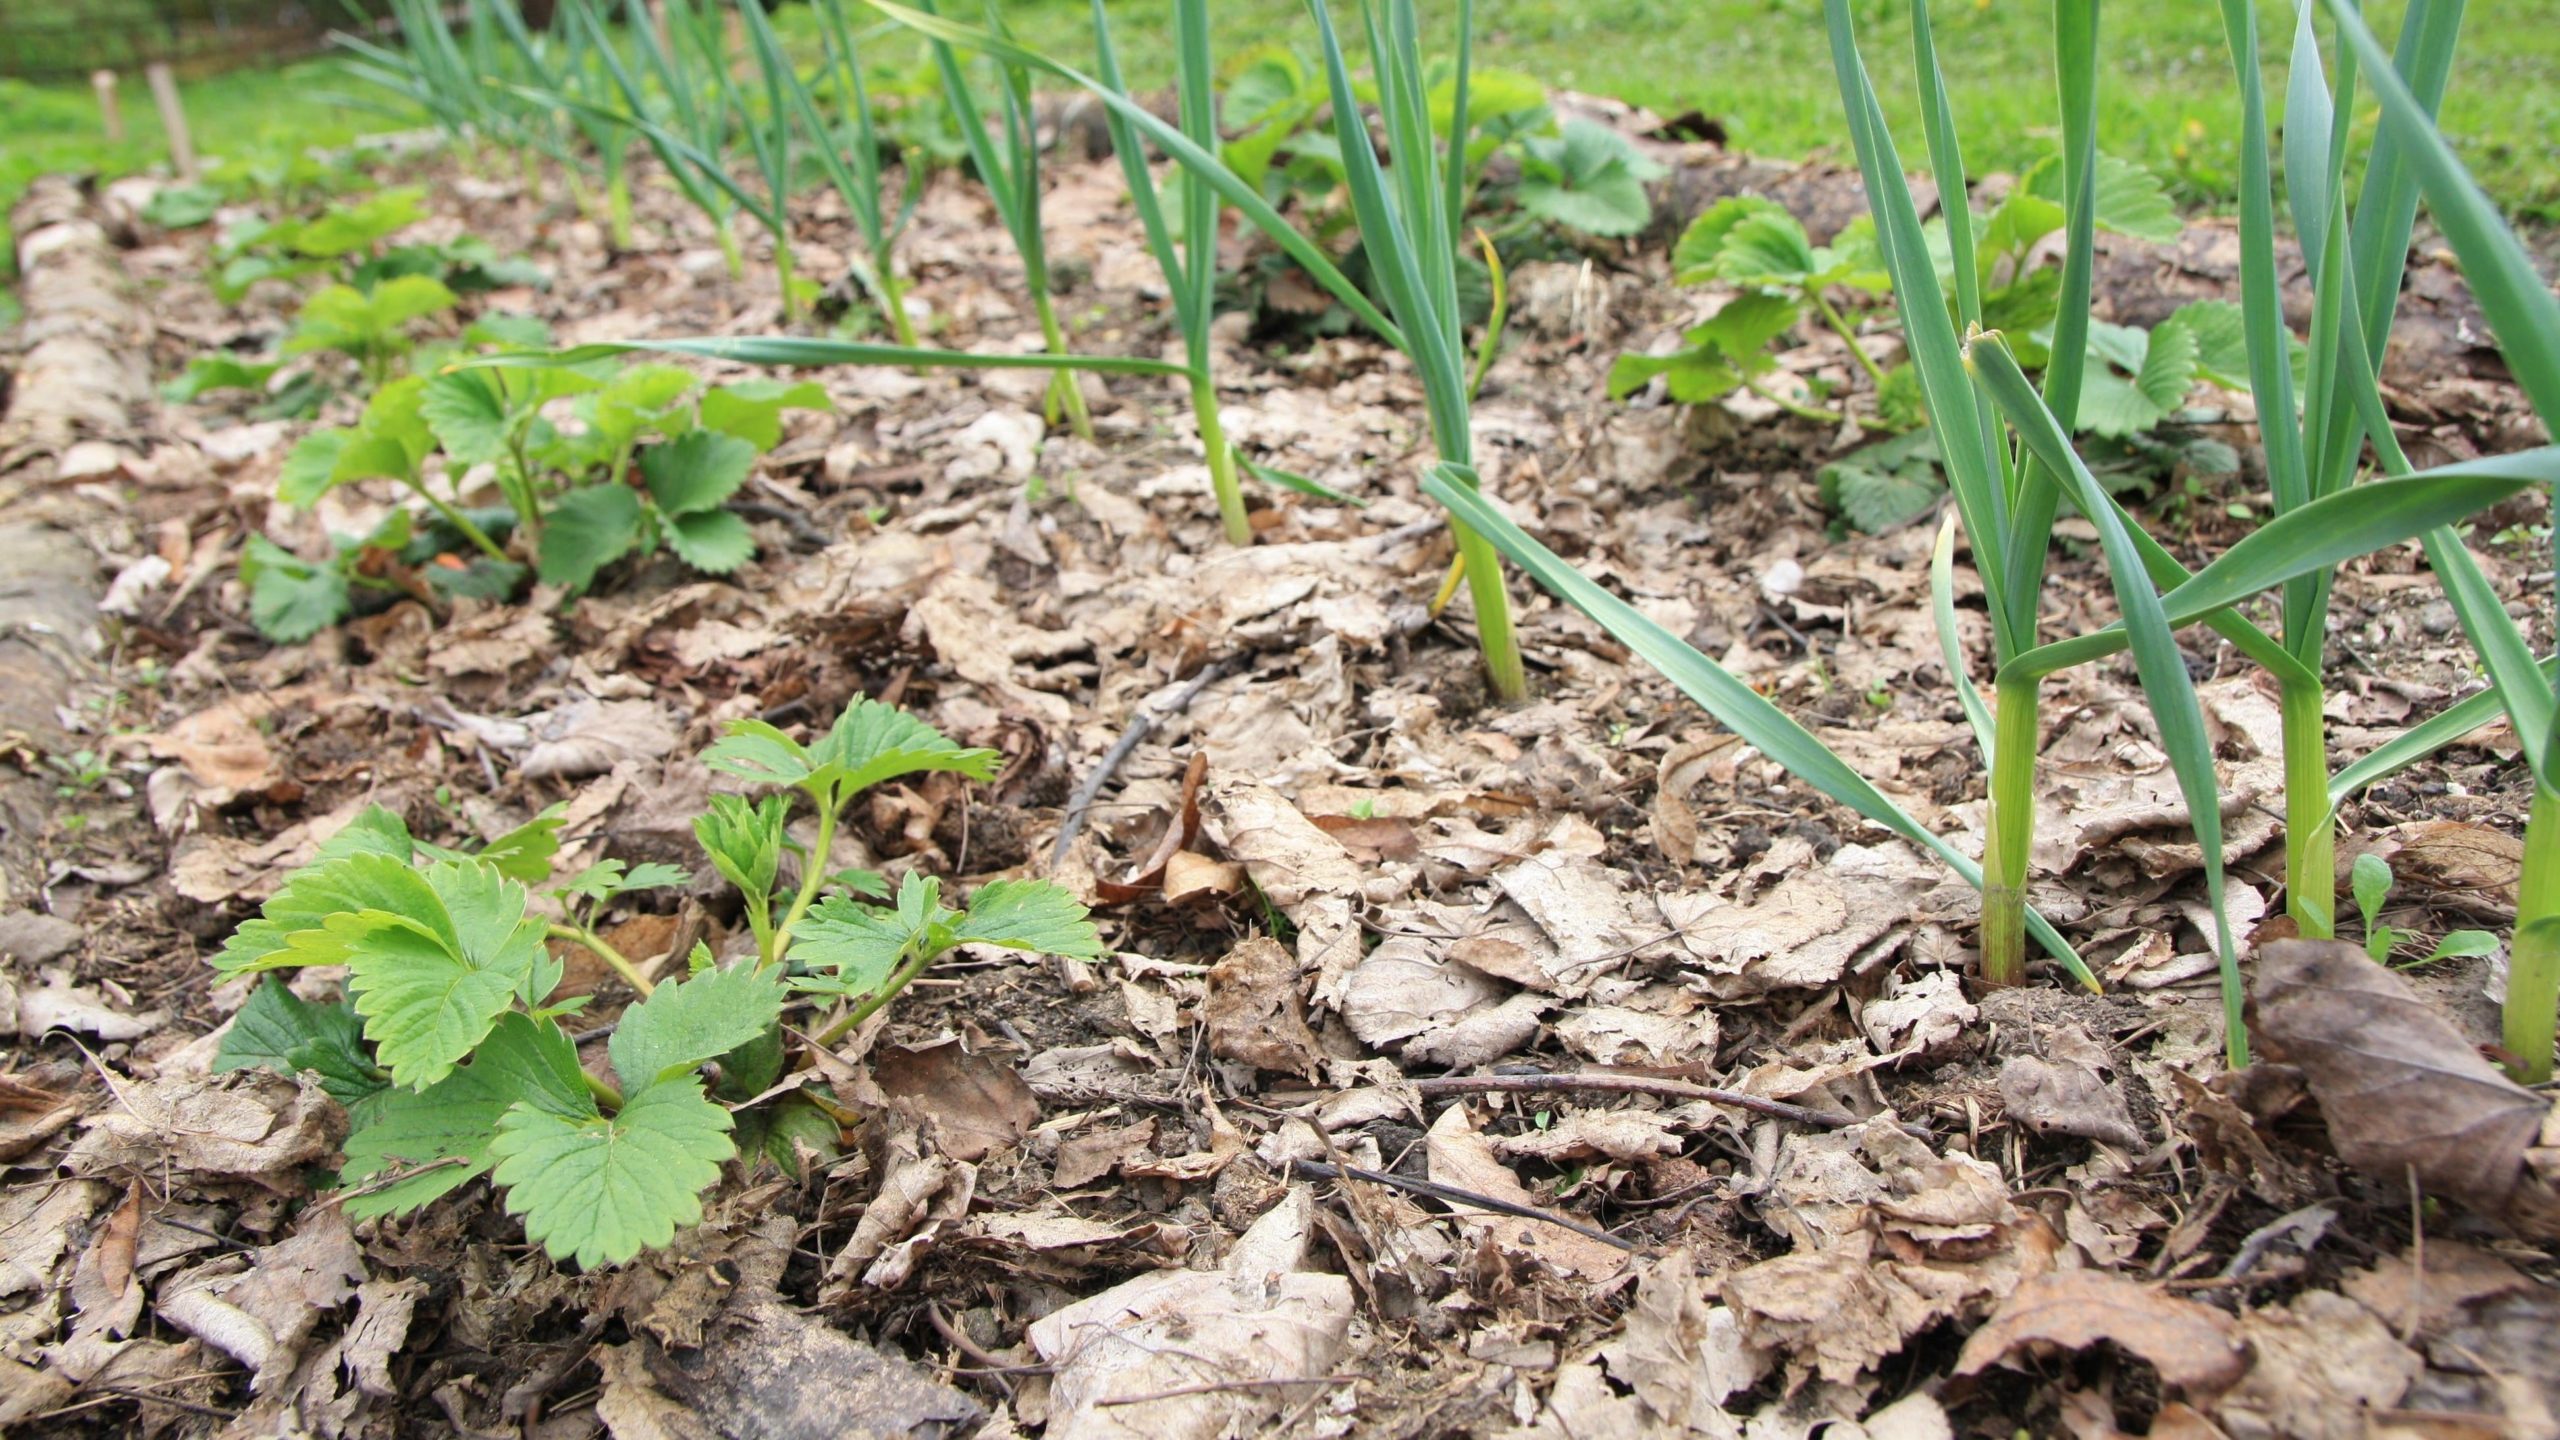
<point>448,1049</point>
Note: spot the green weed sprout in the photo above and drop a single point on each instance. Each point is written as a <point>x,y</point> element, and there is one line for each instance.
<point>448,1050</point>
<point>1409,218</point>
<point>1012,177</point>
<point>2370,879</point>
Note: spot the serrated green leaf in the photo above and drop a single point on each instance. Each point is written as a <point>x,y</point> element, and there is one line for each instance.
<point>714,542</point>
<point>2222,340</point>
<point>2137,379</point>
<point>1034,915</point>
<point>869,743</point>
<point>431,978</point>
<point>688,1022</point>
<point>743,838</point>
<point>752,409</point>
<point>399,301</point>
<point>347,228</point>
<point>697,471</point>
<point>858,945</point>
<point>371,878</point>
<point>608,878</point>
<point>291,599</point>
<point>311,468</point>
<point>639,398</point>
<point>468,413</point>
<point>280,1031</point>
<point>2130,202</point>
<point>588,529</point>
<point>1698,256</point>
<point>1767,248</point>
<point>599,1191</point>
<point>206,373</point>
<point>525,853</point>
<point>523,1061</point>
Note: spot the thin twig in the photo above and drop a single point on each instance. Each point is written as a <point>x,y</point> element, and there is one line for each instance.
<point>1630,1085</point>
<point>1452,1195</point>
<point>1141,725</point>
<point>1213,1387</point>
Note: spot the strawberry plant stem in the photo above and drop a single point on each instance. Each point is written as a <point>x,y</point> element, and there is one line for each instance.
<point>908,969</point>
<point>597,946</point>
<point>2533,965</point>
<point>478,537</point>
<point>606,1095</point>
<point>1796,408</point>
<point>812,874</point>
<point>1833,318</point>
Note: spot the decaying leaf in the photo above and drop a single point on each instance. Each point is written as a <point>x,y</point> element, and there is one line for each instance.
<point>245,1125</point>
<point>2061,1097</point>
<point>1190,1354</point>
<point>970,1104</point>
<point>2195,1348</point>
<point>1254,1013</point>
<point>2401,1090</point>
<point>2323,1364</point>
<point>1460,1156</point>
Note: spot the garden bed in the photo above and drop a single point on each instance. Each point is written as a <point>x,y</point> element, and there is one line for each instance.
<point>1351,906</point>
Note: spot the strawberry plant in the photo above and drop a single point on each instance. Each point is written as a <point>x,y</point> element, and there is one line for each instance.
<point>374,328</point>
<point>2133,379</point>
<point>571,507</point>
<point>448,1048</point>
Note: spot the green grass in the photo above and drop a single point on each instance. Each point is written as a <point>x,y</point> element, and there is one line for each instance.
<point>240,115</point>
<point>1764,68</point>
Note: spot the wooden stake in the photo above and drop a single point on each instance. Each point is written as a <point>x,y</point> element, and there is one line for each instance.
<point>110,113</point>
<point>173,119</point>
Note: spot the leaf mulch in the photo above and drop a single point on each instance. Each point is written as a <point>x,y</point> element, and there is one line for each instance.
<point>1556,1070</point>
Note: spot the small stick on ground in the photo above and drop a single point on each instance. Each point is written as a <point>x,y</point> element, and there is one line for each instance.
<point>1141,725</point>
<point>1629,1085</point>
<point>1214,1387</point>
<point>1452,1195</point>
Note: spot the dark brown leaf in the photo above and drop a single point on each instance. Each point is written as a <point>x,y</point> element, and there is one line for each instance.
<point>2402,1091</point>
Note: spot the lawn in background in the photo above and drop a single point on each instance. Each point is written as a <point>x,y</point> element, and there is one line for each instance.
<point>1763,67</point>
<point>240,114</point>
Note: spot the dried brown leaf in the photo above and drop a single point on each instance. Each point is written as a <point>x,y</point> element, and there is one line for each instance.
<point>2195,1348</point>
<point>2402,1091</point>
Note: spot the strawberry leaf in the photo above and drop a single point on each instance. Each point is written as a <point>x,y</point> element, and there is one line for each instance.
<point>681,1025</point>
<point>588,529</point>
<point>1034,915</point>
<point>431,978</point>
<point>714,542</point>
<point>869,743</point>
<point>601,1190</point>
<point>448,1125</point>
<point>280,1031</point>
<point>697,471</point>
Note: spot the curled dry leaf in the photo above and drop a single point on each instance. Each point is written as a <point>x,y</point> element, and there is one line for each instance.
<point>2195,1348</point>
<point>2324,1364</point>
<point>1460,1156</point>
<point>244,1125</point>
<point>1195,1354</point>
<point>970,1105</point>
<point>2054,1097</point>
<point>2401,1089</point>
<point>1254,1012</point>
